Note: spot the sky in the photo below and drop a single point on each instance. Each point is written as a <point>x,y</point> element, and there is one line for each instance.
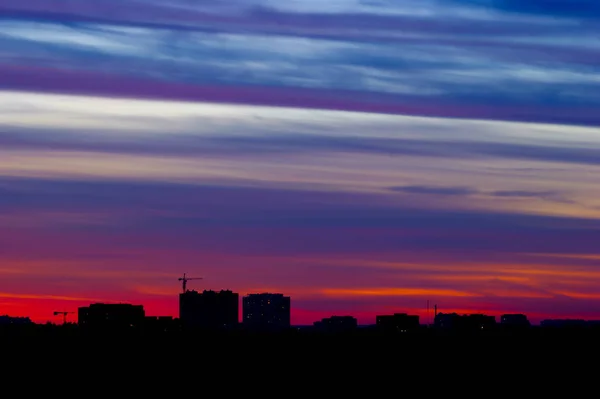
<point>363,157</point>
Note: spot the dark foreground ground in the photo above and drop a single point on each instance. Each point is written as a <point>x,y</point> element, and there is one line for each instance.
<point>73,330</point>
<point>525,363</point>
<point>303,342</point>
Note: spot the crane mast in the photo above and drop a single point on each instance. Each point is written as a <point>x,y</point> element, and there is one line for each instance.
<point>184,281</point>
<point>64,315</point>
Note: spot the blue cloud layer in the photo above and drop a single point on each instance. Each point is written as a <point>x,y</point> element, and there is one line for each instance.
<point>293,144</point>
<point>541,55</point>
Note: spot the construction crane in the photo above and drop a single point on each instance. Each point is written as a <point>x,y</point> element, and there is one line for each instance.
<point>184,281</point>
<point>64,315</point>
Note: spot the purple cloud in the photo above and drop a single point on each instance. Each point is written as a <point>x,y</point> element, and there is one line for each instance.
<point>253,15</point>
<point>40,79</point>
<point>490,62</point>
<point>292,222</point>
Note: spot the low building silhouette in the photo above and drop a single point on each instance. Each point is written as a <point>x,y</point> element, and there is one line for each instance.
<point>266,312</point>
<point>336,324</point>
<point>397,322</point>
<point>209,310</point>
<point>161,324</point>
<point>111,317</point>
<point>514,320</point>
<point>564,323</point>
<point>12,321</point>
<point>468,322</point>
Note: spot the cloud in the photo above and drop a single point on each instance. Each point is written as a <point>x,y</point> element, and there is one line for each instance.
<point>442,191</point>
<point>434,190</point>
<point>545,195</point>
<point>254,220</point>
<point>69,124</point>
<point>43,297</point>
<point>457,59</point>
<point>231,145</point>
<point>587,9</point>
<point>479,162</point>
<point>522,193</point>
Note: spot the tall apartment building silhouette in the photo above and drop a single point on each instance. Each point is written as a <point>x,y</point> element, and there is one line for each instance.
<point>209,309</point>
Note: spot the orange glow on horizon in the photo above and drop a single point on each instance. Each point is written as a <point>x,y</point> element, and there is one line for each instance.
<point>396,292</point>
<point>579,295</point>
<point>568,256</point>
<point>46,297</point>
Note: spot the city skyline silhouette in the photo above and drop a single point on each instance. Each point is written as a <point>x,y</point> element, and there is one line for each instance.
<point>217,314</point>
<point>271,312</point>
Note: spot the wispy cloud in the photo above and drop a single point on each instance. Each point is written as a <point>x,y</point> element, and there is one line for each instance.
<point>44,297</point>
<point>183,128</point>
<point>460,164</point>
<point>434,190</point>
<point>521,62</point>
<point>307,217</point>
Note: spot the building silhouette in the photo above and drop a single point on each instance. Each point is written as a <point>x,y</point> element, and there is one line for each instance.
<point>336,324</point>
<point>209,310</point>
<point>398,322</point>
<point>468,322</point>
<point>266,312</point>
<point>564,323</point>
<point>11,321</point>
<point>111,317</point>
<point>514,320</point>
<point>161,324</point>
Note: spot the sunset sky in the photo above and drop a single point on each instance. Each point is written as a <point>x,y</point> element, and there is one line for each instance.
<point>363,157</point>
